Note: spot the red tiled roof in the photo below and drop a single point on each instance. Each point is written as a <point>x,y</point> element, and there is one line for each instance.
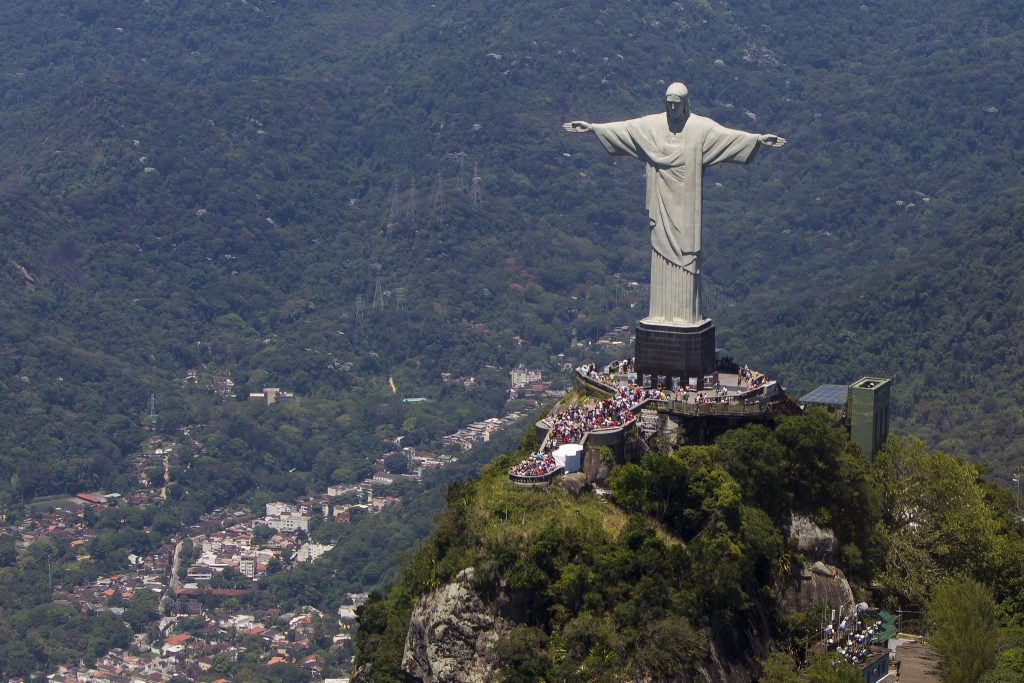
<point>179,639</point>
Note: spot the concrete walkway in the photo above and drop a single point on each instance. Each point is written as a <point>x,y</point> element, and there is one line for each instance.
<point>919,663</point>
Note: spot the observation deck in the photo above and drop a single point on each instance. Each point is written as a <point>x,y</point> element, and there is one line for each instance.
<point>618,405</point>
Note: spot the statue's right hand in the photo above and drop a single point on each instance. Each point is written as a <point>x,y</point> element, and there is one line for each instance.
<point>577,127</point>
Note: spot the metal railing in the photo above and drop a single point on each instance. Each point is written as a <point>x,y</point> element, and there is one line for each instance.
<point>748,407</point>
<point>527,480</point>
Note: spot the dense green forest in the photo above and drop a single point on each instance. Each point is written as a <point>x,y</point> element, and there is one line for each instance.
<point>185,184</point>
<point>216,186</point>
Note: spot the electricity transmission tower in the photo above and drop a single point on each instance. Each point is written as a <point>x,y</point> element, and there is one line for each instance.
<point>152,416</point>
<point>378,287</point>
<point>460,159</point>
<point>474,190</point>
<point>439,197</point>
<point>393,212</point>
<point>410,207</point>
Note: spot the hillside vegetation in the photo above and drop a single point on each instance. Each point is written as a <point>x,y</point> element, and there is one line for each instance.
<point>594,594</point>
<point>216,186</point>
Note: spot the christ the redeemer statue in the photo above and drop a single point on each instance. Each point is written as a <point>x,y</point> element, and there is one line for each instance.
<point>676,147</point>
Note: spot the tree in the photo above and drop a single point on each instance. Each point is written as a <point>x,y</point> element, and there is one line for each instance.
<point>8,551</point>
<point>1009,667</point>
<point>961,616</point>
<point>938,519</point>
<point>261,533</point>
<point>752,455</point>
<point>396,463</point>
<point>142,610</point>
<point>828,667</point>
<point>520,654</point>
<point>778,667</point>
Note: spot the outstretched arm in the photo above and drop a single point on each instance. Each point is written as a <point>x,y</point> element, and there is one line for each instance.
<point>577,127</point>
<point>771,140</point>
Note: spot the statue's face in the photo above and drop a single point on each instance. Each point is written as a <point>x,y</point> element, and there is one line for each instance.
<point>677,108</point>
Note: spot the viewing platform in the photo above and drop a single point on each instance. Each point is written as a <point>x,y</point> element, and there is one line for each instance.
<point>544,465</point>
<point>727,394</point>
<point>537,480</point>
<point>617,405</point>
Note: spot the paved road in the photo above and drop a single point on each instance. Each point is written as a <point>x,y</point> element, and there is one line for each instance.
<point>919,663</point>
<point>175,581</point>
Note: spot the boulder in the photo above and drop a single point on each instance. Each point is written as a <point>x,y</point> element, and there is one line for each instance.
<point>818,584</point>
<point>813,541</point>
<point>575,483</point>
<point>451,635</point>
<point>594,467</point>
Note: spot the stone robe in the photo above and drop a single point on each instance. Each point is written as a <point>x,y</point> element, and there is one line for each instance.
<point>675,171</point>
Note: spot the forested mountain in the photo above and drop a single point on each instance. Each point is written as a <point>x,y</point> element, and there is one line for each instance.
<point>188,183</point>
<point>690,574</point>
<point>215,186</point>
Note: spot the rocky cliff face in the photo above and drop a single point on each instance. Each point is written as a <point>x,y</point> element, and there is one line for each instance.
<point>452,630</point>
<point>817,582</point>
<point>452,634</point>
<point>813,541</point>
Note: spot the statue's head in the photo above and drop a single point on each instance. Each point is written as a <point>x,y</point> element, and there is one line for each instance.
<point>677,102</point>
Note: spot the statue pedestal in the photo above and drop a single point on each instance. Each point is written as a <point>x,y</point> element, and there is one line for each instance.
<point>675,351</point>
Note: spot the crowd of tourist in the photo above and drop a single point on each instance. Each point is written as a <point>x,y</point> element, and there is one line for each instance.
<point>702,399</point>
<point>753,378</point>
<point>537,465</point>
<point>746,379</point>
<point>572,424</point>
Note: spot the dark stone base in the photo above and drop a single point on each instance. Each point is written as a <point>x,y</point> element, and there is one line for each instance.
<point>675,352</point>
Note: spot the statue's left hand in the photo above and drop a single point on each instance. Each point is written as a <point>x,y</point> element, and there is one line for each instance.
<point>772,140</point>
<point>577,127</point>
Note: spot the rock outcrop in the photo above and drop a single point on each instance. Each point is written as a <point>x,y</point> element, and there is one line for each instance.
<point>594,468</point>
<point>818,582</point>
<point>451,635</point>
<point>575,483</point>
<point>812,541</point>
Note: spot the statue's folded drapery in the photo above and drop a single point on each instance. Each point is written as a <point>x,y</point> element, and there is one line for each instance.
<point>675,169</point>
